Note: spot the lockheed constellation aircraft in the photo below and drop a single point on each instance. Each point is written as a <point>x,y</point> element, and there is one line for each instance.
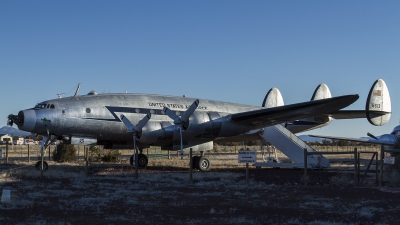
<point>137,121</point>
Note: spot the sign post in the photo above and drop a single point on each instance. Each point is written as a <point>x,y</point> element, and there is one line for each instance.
<point>247,156</point>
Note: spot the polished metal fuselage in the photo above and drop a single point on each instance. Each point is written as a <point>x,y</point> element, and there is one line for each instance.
<point>98,116</point>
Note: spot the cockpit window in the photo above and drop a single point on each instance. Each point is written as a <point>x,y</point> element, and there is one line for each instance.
<point>40,106</point>
<point>44,106</point>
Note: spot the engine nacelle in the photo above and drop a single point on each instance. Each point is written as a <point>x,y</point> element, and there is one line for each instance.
<point>204,125</point>
<point>213,125</point>
<point>159,133</point>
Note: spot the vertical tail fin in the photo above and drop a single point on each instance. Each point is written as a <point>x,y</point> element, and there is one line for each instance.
<point>378,106</point>
<point>321,92</point>
<point>273,99</point>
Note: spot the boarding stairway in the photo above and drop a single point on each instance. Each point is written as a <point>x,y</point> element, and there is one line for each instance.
<point>293,147</point>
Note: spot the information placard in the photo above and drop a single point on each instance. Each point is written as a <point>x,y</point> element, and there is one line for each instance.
<point>246,156</point>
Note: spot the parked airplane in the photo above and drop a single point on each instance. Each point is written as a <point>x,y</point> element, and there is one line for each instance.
<point>155,120</point>
<point>387,140</point>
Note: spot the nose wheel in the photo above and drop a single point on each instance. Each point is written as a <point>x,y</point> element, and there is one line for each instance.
<point>142,160</point>
<point>38,165</point>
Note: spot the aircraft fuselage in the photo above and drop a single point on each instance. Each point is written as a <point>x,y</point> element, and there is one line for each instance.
<point>98,116</point>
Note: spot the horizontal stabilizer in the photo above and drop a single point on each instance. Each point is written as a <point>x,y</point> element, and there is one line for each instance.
<point>354,114</point>
<point>273,98</point>
<point>378,102</point>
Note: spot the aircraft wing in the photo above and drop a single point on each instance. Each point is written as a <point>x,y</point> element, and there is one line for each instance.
<point>354,114</point>
<point>371,141</point>
<point>271,116</point>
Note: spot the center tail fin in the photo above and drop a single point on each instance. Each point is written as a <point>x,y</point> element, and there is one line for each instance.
<point>273,99</point>
<point>321,92</point>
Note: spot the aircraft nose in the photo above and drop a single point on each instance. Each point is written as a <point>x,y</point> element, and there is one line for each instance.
<point>27,120</point>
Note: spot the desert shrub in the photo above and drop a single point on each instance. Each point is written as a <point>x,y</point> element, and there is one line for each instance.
<point>65,153</point>
<point>94,154</point>
<point>216,147</point>
<point>341,180</point>
<point>111,156</point>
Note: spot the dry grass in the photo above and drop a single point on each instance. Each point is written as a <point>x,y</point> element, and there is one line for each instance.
<point>112,195</point>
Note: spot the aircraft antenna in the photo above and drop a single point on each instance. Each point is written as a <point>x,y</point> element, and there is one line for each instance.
<point>59,95</point>
<point>77,90</point>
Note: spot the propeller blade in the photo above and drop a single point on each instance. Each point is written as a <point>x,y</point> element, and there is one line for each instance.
<point>10,122</point>
<point>142,122</point>
<point>172,115</point>
<point>128,124</point>
<point>190,111</point>
<point>371,135</point>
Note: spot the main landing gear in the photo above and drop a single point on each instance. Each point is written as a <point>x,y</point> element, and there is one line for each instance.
<point>38,165</point>
<point>142,160</point>
<point>201,163</point>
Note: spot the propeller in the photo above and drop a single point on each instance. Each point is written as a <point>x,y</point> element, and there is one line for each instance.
<point>182,121</point>
<point>11,119</point>
<point>135,130</point>
<point>372,136</point>
<point>10,122</point>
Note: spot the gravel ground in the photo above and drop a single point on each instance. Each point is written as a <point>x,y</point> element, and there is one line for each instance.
<point>164,194</point>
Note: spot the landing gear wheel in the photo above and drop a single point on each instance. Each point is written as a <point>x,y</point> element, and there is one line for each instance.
<point>38,165</point>
<point>142,161</point>
<point>204,163</point>
<point>195,162</point>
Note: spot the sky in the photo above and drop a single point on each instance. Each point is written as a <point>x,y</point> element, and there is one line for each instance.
<point>232,51</point>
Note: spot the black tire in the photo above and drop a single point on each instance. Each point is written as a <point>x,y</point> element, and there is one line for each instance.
<point>204,164</point>
<point>38,165</point>
<point>142,161</point>
<point>195,162</point>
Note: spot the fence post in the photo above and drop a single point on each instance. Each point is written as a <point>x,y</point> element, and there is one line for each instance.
<point>355,167</point>
<point>87,161</point>
<point>305,167</point>
<point>29,154</point>
<point>381,166</point>
<point>190,164</point>
<point>7,152</point>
